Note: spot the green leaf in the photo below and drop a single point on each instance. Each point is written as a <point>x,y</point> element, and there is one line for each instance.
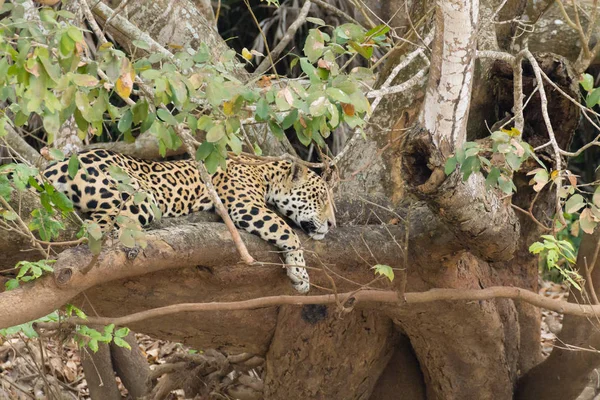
<point>276,130</point>
<point>450,166</point>
<point>317,21</point>
<point>469,166</point>
<point>94,231</point>
<point>384,270</point>
<point>575,203</point>
<point>122,332</point>
<point>290,119</point>
<point>119,174</point>
<point>378,31</point>
<point>121,343</point>
<point>587,82</point>
<point>141,44</point>
<point>203,53</point>
<point>216,133</point>
<point>67,45</point>
<point>93,345</point>
<point>51,123</point>
<point>73,166</point>
<point>139,197</point>
<point>11,284</point>
<point>506,185</point>
<point>126,238</point>
<point>57,154</point>
<point>62,202</point>
<point>314,45</point>
<point>593,98</point>
<point>166,116</point>
<point>587,222</point>
<point>204,151</point>
<point>125,122</point>
<point>262,109</point>
<point>338,95</point>
<point>513,161</point>
<point>492,177</point>
<point>75,34</point>
<point>365,51</point>
<point>95,245</point>
<point>213,161</point>
<point>235,144</point>
<point>139,111</point>
<point>79,313</point>
<point>84,80</point>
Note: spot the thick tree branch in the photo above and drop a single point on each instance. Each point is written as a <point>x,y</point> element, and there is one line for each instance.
<point>207,245</point>
<point>446,106</point>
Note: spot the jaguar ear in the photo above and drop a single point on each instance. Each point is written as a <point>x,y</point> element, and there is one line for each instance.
<point>297,173</point>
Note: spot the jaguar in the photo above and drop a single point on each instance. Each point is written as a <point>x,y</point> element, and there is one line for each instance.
<point>246,187</point>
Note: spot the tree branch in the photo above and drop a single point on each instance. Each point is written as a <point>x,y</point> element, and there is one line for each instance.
<point>207,245</point>
<point>289,35</point>
<point>348,300</point>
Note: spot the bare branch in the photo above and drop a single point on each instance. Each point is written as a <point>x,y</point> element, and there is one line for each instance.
<point>355,298</point>
<point>289,35</point>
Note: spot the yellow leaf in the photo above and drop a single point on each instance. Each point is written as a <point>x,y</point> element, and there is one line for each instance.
<point>246,54</point>
<point>105,46</point>
<point>124,84</point>
<point>196,80</point>
<point>513,132</point>
<point>228,107</point>
<point>553,174</point>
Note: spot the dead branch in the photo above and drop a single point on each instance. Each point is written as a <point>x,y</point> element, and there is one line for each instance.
<point>356,298</point>
<point>289,35</point>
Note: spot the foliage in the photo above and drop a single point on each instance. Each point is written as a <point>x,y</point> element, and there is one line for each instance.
<point>505,157</point>
<point>510,148</point>
<point>592,97</point>
<point>44,71</point>
<point>559,255</point>
<point>384,270</point>
<point>90,337</point>
<point>28,271</point>
<point>27,328</point>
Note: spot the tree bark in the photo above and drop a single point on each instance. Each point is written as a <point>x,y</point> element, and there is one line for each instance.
<point>99,374</point>
<point>565,373</point>
<point>316,354</point>
<point>132,367</point>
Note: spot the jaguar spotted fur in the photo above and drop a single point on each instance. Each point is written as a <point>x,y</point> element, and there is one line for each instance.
<point>175,187</point>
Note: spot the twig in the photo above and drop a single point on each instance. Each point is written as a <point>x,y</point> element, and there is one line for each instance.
<point>589,270</point>
<point>92,21</point>
<point>116,11</point>
<point>413,81</point>
<point>362,296</point>
<point>557,152</point>
<point>264,37</point>
<point>411,56</point>
<point>218,204</point>
<point>336,11</point>
<point>289,35</point>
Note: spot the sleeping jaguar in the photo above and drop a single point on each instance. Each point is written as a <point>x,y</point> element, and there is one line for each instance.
<point>176,189</point>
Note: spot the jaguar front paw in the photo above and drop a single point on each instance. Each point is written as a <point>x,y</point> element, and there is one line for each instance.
<point>300,279</point>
